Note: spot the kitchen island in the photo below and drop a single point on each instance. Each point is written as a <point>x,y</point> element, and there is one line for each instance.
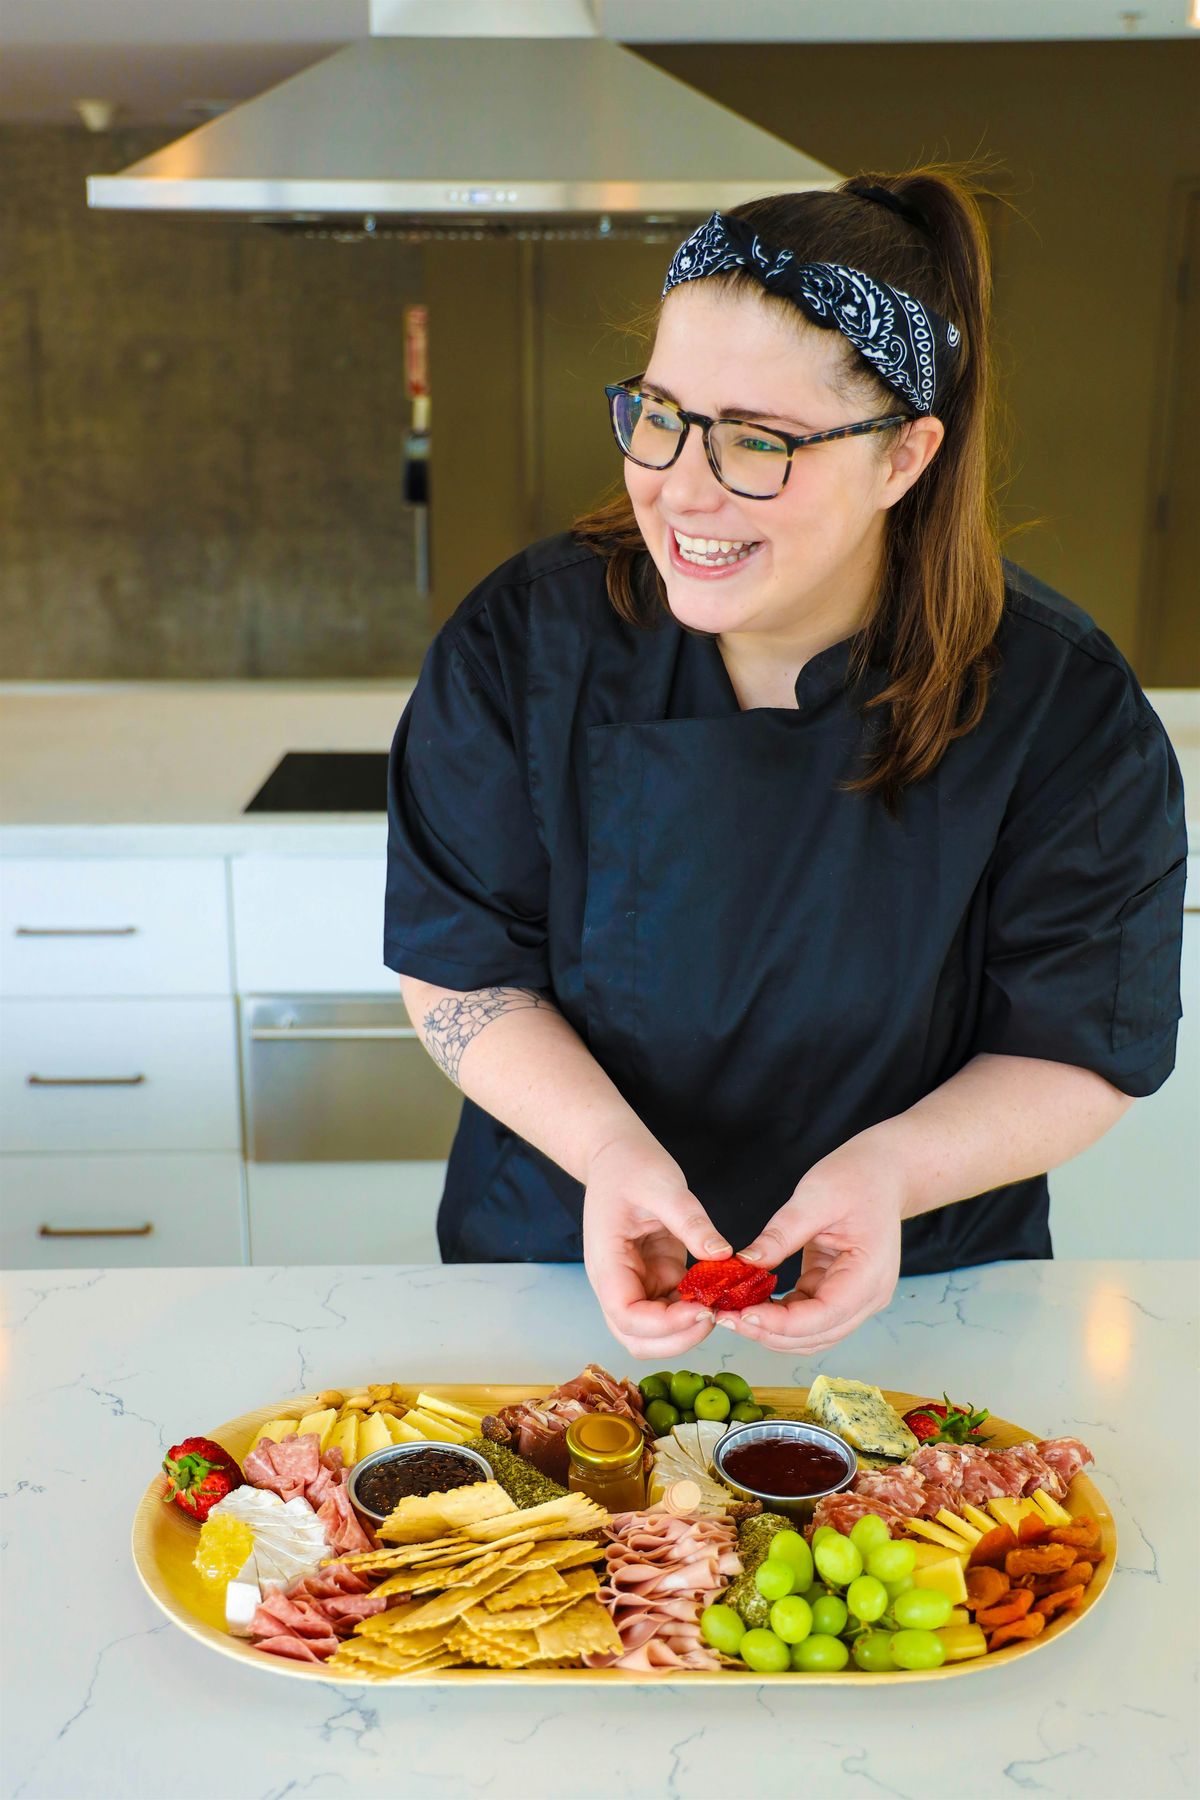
<point>103,1696</point>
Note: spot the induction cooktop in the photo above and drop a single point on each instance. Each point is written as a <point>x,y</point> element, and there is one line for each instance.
<point>325,781</point>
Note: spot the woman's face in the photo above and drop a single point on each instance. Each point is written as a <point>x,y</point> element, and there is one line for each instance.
<point>818,543</point>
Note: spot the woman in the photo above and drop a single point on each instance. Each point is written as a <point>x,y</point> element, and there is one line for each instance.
<point>772,863</point>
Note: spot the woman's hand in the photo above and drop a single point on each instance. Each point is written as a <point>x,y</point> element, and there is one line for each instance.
<point>845,1215</point>
<point>639,1222</point>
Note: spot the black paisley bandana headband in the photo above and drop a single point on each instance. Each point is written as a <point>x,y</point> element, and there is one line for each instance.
<point>909,345</point>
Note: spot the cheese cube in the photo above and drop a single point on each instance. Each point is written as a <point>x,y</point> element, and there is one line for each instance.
<point>945,1574</point>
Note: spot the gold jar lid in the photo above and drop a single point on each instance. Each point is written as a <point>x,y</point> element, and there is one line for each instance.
<point>603,1440</point>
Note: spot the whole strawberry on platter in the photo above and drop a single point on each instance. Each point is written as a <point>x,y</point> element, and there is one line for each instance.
<point>199,1473</point>
<point>938,1423</point>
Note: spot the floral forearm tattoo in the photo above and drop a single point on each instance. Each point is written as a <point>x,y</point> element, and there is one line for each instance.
<point>452,1023</point>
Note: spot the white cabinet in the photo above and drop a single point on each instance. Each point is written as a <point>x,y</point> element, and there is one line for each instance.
<point>118,1075</point>
<point>1136,1193</point>
<point>382,1212</point>
<point>133,925</point>
<point>86,1212</point>
<point>310,925</point>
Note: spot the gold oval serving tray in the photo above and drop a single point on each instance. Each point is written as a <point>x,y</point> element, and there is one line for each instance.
<point>164,1543</point>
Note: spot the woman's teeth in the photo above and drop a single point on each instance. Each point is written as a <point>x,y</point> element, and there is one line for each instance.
<point>712,552</point>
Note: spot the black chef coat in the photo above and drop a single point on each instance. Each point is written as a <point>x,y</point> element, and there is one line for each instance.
<point>762,964</point>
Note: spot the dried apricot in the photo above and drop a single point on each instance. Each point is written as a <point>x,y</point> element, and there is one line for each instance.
<point>1016,1603</point>
<point>1028,1627</point>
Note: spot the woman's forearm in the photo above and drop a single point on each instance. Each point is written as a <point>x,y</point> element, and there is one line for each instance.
<point>511,1051</point>
<point>1000,1119</point>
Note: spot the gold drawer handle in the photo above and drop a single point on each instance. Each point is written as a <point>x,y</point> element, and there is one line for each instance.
<point>52,1231</point>
<point>75,931</point>
<point>84,1080</point>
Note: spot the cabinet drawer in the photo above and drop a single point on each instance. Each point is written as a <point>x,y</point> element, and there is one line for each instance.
<point>310,925</point>
<point>92,1212</point>
<point>118,1075</point>
<point>128,925</point>
<point>344,1212</point>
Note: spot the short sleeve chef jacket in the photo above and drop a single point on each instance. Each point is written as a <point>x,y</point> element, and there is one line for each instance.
<point>763,965</point>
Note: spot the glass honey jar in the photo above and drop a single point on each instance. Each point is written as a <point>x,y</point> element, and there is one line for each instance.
<point>606,1461</point>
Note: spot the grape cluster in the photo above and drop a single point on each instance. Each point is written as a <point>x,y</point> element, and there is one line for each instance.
<point>845,1597</point>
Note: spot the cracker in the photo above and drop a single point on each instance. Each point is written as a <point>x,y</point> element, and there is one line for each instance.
<point>420,1517</point>
<point>585,1627</point>
<point>534,1584</point>
<point>572,1553</point>
<point>451,1604</point>
<point>571,1513</point>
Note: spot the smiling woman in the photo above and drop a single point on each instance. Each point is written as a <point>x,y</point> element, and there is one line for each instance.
<point>773,863</point>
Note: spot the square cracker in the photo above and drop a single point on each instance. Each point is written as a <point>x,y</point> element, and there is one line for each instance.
<point>450,1604</point>
<point>418,1518</point>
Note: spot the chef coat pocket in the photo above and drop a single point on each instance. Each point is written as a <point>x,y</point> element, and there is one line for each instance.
<point>1148,997</point>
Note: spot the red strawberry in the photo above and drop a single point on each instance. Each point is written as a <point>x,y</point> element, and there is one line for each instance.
<point>759,1285</point>
<point>199,1473</point>
<point>935,1423</point>
<point>712,1283</point>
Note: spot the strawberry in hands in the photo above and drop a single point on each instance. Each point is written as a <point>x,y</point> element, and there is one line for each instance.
<point>948,1424</point>
<point>199,1473</point>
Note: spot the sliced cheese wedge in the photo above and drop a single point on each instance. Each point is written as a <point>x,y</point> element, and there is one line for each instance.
<point>970,1534</point>
<point>1053,1513</point>
<point>937,1534</point>
<point>979,1519</point>
<point>449,1409</point>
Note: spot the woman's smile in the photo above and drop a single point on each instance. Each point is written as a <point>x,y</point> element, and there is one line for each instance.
<point>709,559</point>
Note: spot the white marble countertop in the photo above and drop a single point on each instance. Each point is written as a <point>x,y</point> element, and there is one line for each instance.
<point>103,1696</point>
<point>163,768</point>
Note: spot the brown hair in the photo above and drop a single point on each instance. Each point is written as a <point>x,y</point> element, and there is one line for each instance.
<point>940,596</point>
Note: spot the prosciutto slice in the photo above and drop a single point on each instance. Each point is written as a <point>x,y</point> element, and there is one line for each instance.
<point>662,1571</point>
<point>537,1428</point>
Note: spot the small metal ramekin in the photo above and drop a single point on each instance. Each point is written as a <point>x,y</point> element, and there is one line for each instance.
<point>394,1452</point>
<point>792,1506</point>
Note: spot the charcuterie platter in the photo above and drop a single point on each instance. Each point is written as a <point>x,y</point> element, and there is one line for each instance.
<point>477,1532</point>
<point>472,1532</point>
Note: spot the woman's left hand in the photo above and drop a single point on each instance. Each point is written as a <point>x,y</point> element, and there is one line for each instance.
<point>845,1215</point>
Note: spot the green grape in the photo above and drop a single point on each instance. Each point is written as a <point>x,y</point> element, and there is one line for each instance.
<point>868,1533</point>
<point>820,1655</point>
<point>763,1651</point>
<point>867,1599</point>
<point>712,1403</point>
<point>684,1388</point>
<point>791,1619</point>
<point>838,1560</point>
<point>923,1609</point>
<point>774,1579</point>
<point>891,1561</point>
<point>687,1416</point>
<point>745,1413</point>
<point>722,1629</point>
<point>898,1587</point>
<point>653,1387</point>
<point>873,1651</point>
<point>790,1547</point>
<point>918,1649</point>
<point>736,1386</point>
<point>823,1531</point>
<point>666,1376</point>
<point>660,1416</point>
<point>829,1615</point>
<point>817,1591</point>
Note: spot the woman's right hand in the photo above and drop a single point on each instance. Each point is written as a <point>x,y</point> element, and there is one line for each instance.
<point>639,1222</point>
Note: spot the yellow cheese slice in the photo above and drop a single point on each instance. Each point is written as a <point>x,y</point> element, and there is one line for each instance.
<point>438,1431</point>
<point>936,1534</point>
<point>399,1432</point>
<point>1053,1513</point>
<point>449,1409</point>
<point>373,1434</point>
<point>979,1519</point>
<point>1010,1511</point>
<point>321,1422</point>
<point>946,1576</point>
<point>344,1437</point>
<point>970,1534</point>
<point>273,1430</point>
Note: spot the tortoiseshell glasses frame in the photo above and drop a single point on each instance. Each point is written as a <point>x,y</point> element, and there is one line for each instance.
<point>631,388</point>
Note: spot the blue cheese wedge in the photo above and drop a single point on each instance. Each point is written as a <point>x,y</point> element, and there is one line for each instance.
<point>859,1413</point>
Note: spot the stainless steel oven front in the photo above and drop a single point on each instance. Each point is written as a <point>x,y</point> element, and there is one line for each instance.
<point>341,1078</point>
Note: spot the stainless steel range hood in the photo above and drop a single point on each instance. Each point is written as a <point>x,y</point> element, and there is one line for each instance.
<point>458,135</point>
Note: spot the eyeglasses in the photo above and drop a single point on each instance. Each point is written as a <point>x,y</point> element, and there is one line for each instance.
<point>745,457</point>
